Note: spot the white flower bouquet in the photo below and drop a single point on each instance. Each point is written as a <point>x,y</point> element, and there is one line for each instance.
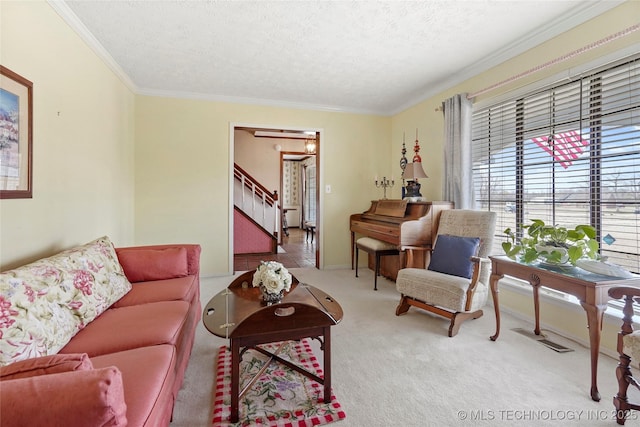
<point>272,278</point>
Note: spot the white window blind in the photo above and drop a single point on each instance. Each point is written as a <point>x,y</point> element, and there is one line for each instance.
<point>567,154</point>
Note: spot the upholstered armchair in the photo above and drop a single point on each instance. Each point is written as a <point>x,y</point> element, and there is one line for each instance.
<point>455,283</point>
<point>628,349</point>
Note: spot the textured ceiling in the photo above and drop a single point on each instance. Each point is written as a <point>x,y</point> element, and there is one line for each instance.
<point>361,56</point>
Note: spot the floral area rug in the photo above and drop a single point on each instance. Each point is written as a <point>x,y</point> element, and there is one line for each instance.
<point>280,397</point>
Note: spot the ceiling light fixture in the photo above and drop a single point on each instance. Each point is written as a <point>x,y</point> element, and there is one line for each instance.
<point>310,146</point>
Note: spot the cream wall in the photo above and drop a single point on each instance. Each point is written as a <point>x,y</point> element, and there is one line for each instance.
<point>431,125</point>
<point>183,171</point>
<point>82,140</point>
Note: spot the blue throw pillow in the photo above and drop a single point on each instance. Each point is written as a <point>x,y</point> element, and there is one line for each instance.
<point>452,255</point>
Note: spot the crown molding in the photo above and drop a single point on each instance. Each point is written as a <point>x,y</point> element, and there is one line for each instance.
<point>74,22</point>
<point>256,101</point>
<point>554,28</point>
<point>561,24</point>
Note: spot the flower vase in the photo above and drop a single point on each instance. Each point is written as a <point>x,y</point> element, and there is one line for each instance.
<point>271,298</point>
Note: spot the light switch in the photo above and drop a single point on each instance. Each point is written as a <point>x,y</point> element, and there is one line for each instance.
<point>327,188</point>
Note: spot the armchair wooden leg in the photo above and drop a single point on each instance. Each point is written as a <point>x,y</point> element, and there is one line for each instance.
<point>621,414</point>
<point>623,373</point>
<point>403,306</point>
<point>458,318</point>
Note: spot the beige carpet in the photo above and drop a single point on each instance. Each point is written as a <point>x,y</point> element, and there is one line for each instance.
<point>405,371</point>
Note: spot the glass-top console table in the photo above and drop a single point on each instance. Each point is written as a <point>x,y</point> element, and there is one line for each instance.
<point>590,289</point>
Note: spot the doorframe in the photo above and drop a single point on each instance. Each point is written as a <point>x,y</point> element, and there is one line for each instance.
<point>319,184</point>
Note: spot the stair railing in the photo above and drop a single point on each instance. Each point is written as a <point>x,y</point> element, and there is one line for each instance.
<point>256,201</point>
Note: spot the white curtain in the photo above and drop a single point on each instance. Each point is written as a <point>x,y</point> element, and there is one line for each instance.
<point>458,179</point>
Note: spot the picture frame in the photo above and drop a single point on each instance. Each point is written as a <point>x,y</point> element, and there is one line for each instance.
<point>16,135</point>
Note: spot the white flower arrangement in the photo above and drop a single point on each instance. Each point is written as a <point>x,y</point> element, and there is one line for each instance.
<point>272,277</point>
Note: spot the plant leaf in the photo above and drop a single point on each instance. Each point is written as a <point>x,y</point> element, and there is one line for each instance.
<point>588,230</point>
<point>593,249</point>
<point>506,247</point>
<point>575,253</point>
<point>530,255</point>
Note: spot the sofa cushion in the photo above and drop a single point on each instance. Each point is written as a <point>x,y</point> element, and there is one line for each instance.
<point>45,303</point>
<point>76,398</point>
<point>148,375</point>
<point>44,365</point>
<point>141,265</point>
<point>452,255</point>
<point>124,328</point>
<point>178,289</point>
<point>444,290</point>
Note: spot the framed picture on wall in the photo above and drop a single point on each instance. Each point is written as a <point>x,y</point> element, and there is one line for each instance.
<point>16,135</point>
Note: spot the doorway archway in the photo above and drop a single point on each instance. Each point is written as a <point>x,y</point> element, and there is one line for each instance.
<point>256,147</point>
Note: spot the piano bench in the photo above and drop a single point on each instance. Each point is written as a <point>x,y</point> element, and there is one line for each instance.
<point>377,248</point>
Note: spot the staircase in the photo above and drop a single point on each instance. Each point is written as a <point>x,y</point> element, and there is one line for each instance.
<point>256,215</point>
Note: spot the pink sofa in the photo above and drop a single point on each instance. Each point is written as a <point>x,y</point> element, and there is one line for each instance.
<point>125,365</point>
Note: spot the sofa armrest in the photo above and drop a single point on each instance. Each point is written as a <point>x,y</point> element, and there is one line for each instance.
<point>157,262</point>
<point>76,398</point>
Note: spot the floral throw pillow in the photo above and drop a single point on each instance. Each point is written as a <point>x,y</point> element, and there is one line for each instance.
<point>45,303</point>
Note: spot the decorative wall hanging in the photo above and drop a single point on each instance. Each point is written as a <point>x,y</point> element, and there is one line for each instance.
<point>16,135</point>
<point>403,164</point>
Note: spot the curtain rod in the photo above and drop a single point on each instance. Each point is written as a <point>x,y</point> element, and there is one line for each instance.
<point>558,60</point>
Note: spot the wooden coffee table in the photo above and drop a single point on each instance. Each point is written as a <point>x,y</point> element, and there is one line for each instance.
<point>238,313</point>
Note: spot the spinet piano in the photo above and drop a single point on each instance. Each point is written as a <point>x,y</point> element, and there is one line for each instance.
<point>408,225</point>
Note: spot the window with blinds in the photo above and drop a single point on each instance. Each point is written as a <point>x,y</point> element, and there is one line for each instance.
<point>567,154</point>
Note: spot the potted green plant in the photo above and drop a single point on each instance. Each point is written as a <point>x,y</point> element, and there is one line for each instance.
<point>552,244</point>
